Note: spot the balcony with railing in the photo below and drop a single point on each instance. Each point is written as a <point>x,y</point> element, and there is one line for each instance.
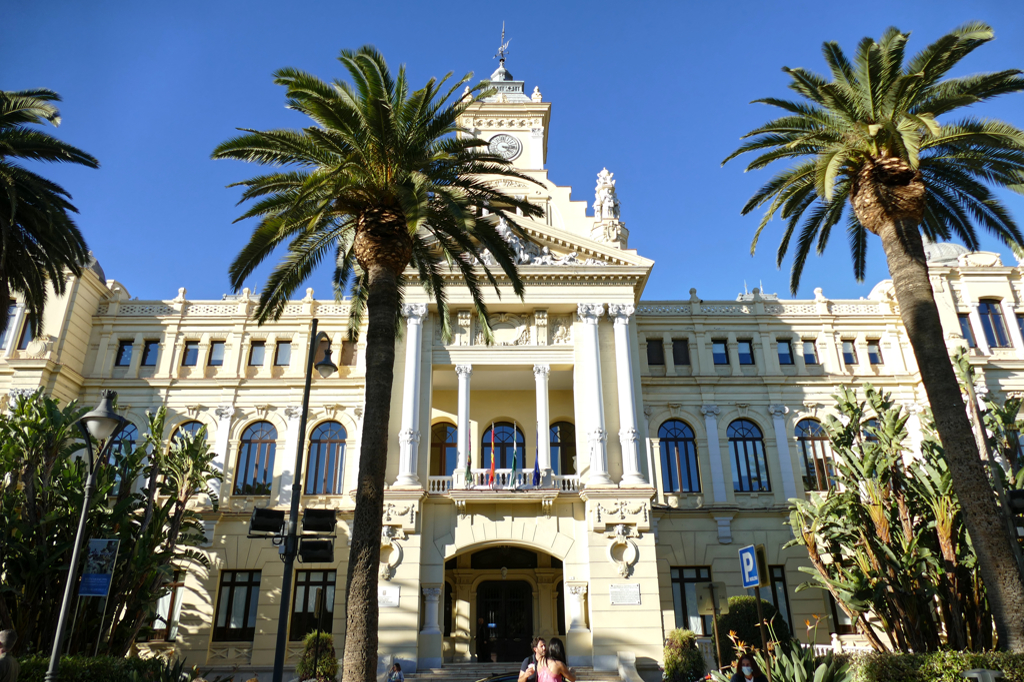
<point>505,481</point>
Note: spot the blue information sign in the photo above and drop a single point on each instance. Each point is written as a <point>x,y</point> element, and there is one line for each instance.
<point>99,568</point>
<point>748,567</point>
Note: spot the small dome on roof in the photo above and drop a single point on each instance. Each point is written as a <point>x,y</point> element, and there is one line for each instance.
<point>502,73</point>
<point>942,253</point>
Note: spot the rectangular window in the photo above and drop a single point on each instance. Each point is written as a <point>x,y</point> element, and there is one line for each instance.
<point>12,310</point>
<point>849,353</point>
<point>745,351</point>
<point>810,353</point>
<point>308,584</point>
<point>785,353</point>
<point>1020,324</point>
<point>680,352</point>
<point>842,623</point>
<point>874,353</point>
<point>778,595</point>
<point>168,611</point>
<point>124,354</point>
<point>283,354</point>
<point>150,351</point>
<point>720,352</point>
<point>655,352</point>
<point>684,598</point>
<point>348,353</point>
<point>257,353</point>
<point>236,606</point>
<point>190,356</point>
<point>216,354</point>
<point>966,330</point>
<point>27,334</point>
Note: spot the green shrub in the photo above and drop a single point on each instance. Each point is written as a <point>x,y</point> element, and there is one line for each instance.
<point>93,669</point>
<point>742,619</point>
<point>319,661</point>
<point>938,666</point>
<point>683,660</point>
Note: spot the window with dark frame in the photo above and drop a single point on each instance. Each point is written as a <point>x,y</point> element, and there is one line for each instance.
<point>874,353</point>
<point>680,352</point>
<point>444,449</point>
<point>655,352</point>
<point>778,594</point>
<point>966,330</point>
<point>684,598</point>
<point>720,352</point>
<point>255,472</point>
<point>841,622</point>
<point>191,428</point>
<point>150,352</point>
<point>283,354</point>
<point>257,353</point>
<point>122,444</point>
<point>745,352</point>
<point>27,334</point>
<point>448,603</point>
<point>5,339</point>
<point>813,444</point>
<point>810,353</point>
<point>326,461</point>
<point>563,449</point>
<point>1020,324</point>
<point>304,620</point>
<point>785,353</point>
<point>679,471</point>
<point>190,355</point>
<point>124,354</point>
<point>168,611</point>
<point>749,464</point>
<point>991,313</point>
<point>236,606</point>
<point>216,358</point>
<point>849,353</point>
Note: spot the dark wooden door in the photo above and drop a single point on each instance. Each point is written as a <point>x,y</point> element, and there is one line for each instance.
<point>507,607</point>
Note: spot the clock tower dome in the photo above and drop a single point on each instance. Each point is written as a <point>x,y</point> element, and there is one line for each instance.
<point>515,124</point>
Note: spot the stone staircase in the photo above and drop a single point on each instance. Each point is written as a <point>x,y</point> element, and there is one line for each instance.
<point>471,672</point>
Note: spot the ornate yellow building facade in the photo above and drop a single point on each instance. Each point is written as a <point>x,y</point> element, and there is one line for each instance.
<point>664,434</point>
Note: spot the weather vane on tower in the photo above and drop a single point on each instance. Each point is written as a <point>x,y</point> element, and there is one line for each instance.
<point>503,48</point>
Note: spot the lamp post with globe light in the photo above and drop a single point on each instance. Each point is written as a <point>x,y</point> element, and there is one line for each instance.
<point>103,424</point>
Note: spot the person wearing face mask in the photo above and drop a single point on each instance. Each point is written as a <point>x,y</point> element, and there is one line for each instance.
<point>748,671</point>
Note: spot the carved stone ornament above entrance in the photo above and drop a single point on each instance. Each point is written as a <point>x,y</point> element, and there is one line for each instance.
<point>528,253</point>
<point>622,552</point>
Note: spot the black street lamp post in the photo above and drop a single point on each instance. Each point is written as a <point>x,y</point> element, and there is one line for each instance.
<point>326,368</point>
<point>103,423</point>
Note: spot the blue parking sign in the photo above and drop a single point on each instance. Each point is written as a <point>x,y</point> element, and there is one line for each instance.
<point>748,567</point>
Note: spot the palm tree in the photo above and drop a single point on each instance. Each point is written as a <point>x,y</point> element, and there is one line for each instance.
<point>39,242</point>
<point>871,136</point>
<point>379,181</point>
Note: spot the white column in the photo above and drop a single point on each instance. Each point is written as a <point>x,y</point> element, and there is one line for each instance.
<point>710,413</point>
<point>577,593</point>
<point>540,376</point>
<point>291,444</point>
<point>409,436</point>
<point>224,413</point>
<point>1011,326</point>
<point>778,413</point>
<point>632,472</point>
<point>431,625</point>
<point>464,372</point>
<point>979,332</point>
<point>590,314</point>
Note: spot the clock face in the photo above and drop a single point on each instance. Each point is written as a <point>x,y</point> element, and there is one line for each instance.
<point>505,146</point>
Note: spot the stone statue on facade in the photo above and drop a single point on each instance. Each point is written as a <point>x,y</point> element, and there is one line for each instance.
<point>608,228</point>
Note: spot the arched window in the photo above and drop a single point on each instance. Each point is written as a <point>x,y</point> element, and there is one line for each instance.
<point>563,448</point>
<point>191,428</point>
<point>506,436</point>
<point>868,430</point>
<point>326,459</point>
<point>812,442</point>
<point>991,314</point>
<point>678,458</point>
<point>123,444</point>
<point>255,472</point>
<point>444,449</point>
<point>749,465</point>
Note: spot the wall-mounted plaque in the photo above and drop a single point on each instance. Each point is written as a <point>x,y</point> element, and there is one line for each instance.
<point>387,596</point>
<point>624,594</point>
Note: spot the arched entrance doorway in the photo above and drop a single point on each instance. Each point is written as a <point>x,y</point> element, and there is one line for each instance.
<point>497,599</point>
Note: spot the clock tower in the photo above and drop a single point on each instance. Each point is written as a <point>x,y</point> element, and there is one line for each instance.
<point>515,124</point>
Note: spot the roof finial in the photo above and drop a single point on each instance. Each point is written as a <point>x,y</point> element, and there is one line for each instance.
<point>503,48</point>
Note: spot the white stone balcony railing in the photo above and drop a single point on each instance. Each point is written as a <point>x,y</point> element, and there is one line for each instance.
<point>503,480</point>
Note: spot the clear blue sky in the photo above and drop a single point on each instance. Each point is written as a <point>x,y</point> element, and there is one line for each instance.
<point>657,92</point>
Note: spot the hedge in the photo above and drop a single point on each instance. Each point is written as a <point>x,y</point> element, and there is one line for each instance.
<point>940,666</point>
<point>91,669</point>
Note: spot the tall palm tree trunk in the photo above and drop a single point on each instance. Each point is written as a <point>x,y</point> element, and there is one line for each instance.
<point>1004,586</point>
<point>360,662</point>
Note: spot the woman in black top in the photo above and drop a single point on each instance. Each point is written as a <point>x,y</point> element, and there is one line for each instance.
<point>748,671</point>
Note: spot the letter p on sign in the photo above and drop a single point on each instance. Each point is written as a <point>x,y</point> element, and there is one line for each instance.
<point>753,566</point>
